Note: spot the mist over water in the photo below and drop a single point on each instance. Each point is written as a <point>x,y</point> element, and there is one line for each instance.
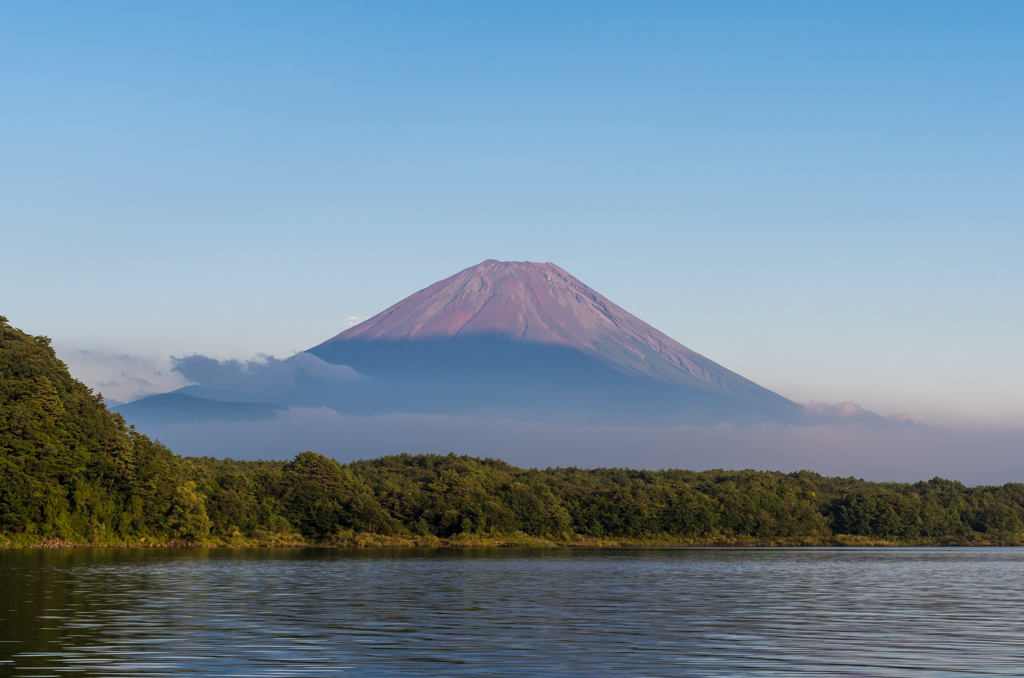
<point>907,454</point>
<point>506,612</point>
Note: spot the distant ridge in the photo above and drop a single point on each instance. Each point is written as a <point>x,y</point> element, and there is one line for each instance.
<point>176,408</point>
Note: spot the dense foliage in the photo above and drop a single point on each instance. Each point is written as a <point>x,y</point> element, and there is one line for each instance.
<point>71,470</point>
<point>68,467</point>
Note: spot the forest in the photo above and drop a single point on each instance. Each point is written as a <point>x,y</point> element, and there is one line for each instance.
<point>73,473</point>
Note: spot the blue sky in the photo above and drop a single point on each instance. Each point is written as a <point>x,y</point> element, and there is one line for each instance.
<point>827,198</point>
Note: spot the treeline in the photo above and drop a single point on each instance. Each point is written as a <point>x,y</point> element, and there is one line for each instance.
<point>445,496</point>
<point>73,472</point>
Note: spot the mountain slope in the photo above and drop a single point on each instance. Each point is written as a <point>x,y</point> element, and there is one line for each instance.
<point>533,338</point>
<point>539,304</point>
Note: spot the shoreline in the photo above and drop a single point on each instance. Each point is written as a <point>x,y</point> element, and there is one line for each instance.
<point>376,541</point>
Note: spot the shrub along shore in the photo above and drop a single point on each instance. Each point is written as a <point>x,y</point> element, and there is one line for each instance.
<point>74,474</point>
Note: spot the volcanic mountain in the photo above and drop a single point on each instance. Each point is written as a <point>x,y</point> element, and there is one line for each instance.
<point>531,340</point>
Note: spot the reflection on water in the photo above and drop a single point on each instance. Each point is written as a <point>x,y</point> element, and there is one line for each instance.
<point>657,612</point>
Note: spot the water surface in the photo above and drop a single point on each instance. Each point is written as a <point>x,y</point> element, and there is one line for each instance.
<point>565,612</point>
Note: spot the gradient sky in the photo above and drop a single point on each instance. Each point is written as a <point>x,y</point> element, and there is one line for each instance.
<point>827,198</point>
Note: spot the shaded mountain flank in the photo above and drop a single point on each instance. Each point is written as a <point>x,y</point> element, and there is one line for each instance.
<point>517,339</point>
<point>173,408</point>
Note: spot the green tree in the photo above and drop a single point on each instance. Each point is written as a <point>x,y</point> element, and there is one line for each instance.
<point>187,518</point>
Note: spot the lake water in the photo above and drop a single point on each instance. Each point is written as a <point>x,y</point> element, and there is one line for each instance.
<point>564,612</point>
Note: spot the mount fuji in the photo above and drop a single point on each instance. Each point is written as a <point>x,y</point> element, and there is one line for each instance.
<point>518,339</point>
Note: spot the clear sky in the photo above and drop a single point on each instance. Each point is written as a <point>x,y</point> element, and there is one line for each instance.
<point>827,198</point>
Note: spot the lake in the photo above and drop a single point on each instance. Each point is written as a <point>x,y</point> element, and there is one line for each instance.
<point>504,612</point>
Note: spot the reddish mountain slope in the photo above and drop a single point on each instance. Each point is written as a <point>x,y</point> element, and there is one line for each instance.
<point>524,302</point>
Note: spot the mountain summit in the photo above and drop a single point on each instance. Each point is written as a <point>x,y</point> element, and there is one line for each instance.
<point>532,338</point>
<point>542,304</point>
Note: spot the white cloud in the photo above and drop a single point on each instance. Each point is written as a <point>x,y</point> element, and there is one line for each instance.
<point>265,374</point>
<point>344,323</point>
<point>852,413</point>
<point>121,378</point>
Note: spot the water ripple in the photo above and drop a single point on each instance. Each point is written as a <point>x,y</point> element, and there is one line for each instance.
<point>657,612</point>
